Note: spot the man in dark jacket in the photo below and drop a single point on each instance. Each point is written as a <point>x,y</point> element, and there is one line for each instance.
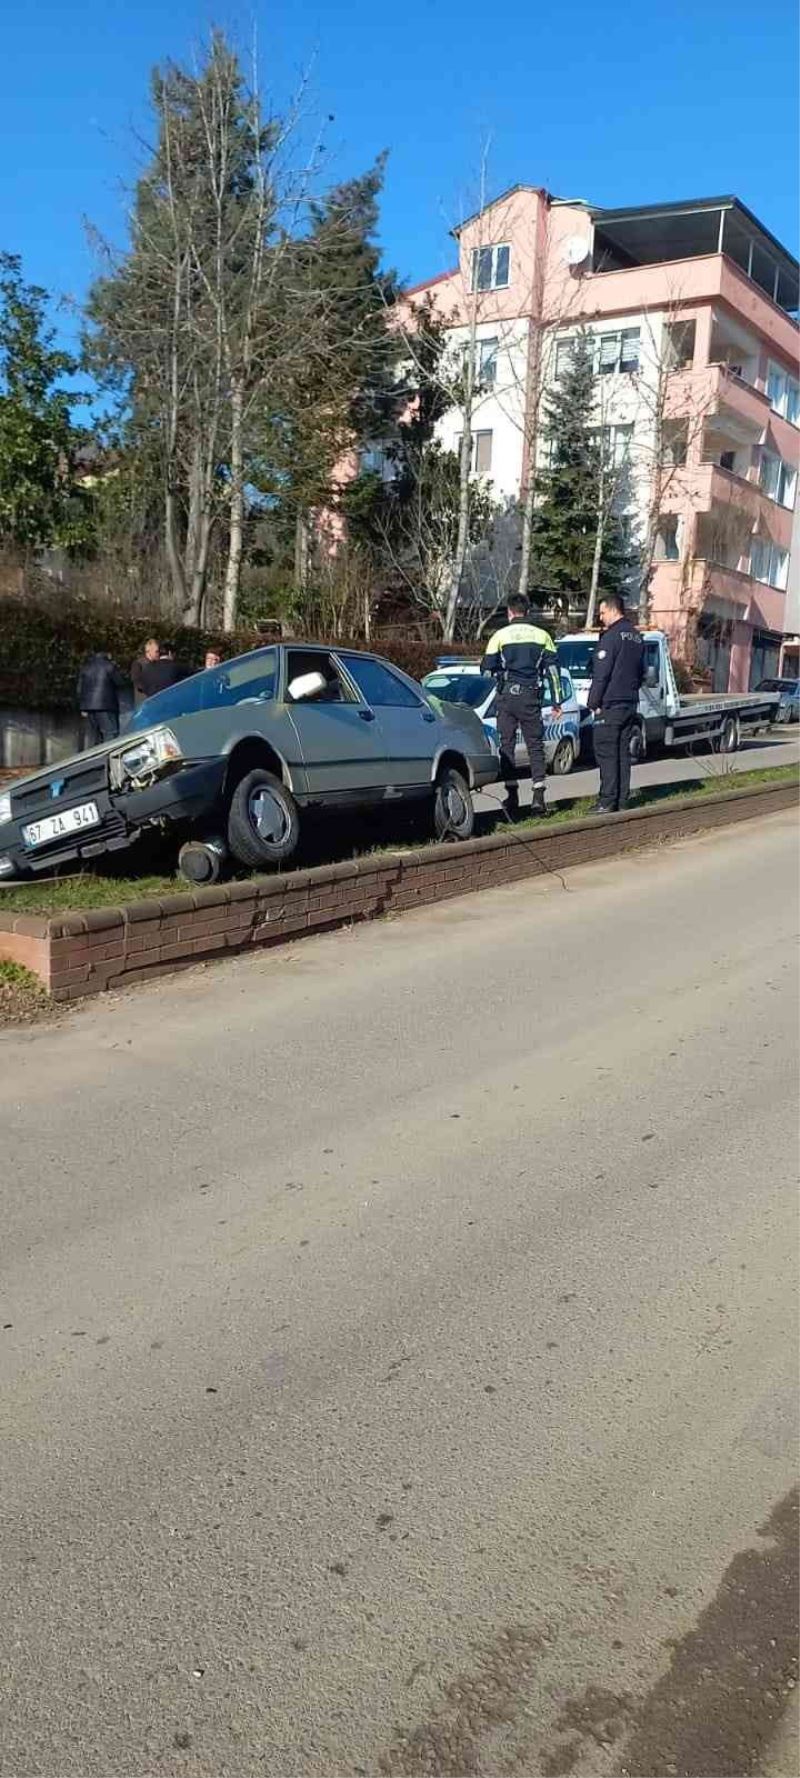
<point>516,655</point>
<point>142,671</point>
<point>617,674</point>
<point>156,671</point>
<point>99,685</point>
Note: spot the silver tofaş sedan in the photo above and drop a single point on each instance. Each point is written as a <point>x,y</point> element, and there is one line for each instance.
<point>243,750</point>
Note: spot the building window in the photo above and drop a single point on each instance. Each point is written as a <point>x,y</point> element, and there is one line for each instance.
<point>617,352</point>
<point>674,443</point>
<point>611,352</point>
<point>783,392</point>
<point>769,563</point>
<point>490,268</point>
<point>668,543</point>
<point>375,461</point>
<point>615,443</point>
<point>679,338</point>
<point>480,454</point>
<point>485,362</point>
<point>727,460</point>
<point>778,479</point>
<point>563,360</point>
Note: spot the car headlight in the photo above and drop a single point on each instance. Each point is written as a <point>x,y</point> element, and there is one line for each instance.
<point>5,806</point>
<point>145,757</point>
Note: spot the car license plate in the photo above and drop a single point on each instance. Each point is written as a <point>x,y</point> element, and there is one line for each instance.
<point>37,833</point>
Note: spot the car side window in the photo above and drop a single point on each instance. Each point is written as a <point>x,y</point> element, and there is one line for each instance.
<point>652,659</point>
<point>252,679</point>
<point>566,685</point>
<point>551,691</point>
<point>300,662</point>
<point>379,686</point>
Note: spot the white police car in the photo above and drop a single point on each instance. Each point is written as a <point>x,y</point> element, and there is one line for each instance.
<point>457,681</point>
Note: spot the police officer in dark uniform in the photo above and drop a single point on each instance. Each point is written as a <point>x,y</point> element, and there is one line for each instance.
<point>617,674</point>
<point>516,656</point>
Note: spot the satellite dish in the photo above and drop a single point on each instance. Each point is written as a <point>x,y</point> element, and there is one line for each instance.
<point>576,251</point>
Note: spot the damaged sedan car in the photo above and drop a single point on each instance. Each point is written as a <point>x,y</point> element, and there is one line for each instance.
<point>236,758</point>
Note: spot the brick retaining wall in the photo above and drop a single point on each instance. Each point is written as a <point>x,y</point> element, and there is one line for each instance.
<point>84,953</point>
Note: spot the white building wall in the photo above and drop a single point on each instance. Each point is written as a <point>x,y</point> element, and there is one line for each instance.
<point>622,399</point>
<point>625,399</point>
<point>499,409</point>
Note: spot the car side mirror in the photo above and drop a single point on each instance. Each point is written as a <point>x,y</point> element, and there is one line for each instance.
<point>651,679</point>
<point>306,685</point>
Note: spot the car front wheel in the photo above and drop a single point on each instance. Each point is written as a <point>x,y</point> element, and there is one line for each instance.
<point>453,811</point>
<point>564,757</point>
<point>263,823</point>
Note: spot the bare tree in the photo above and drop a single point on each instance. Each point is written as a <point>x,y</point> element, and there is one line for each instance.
<point>455,372</point>
<point>671,425</point>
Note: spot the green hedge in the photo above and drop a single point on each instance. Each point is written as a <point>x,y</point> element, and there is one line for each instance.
<point>41,651</point>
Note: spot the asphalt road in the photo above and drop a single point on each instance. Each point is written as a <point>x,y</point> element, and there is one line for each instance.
<point>669,768</point>
<point>399,1343</point>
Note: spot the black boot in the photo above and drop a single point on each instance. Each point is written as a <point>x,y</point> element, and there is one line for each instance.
<point>538,804</point>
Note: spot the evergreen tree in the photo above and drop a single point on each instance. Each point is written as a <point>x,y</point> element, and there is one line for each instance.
<point>565,529</point>
<point>39,501</point>
<point>333,393</point>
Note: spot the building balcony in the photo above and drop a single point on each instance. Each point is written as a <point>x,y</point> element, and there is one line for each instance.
<point>686,282</point>
<point>717,392</point>
<point>706,486</point>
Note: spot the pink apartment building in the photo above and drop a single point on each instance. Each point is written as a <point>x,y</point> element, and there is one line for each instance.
<point>691,307</point>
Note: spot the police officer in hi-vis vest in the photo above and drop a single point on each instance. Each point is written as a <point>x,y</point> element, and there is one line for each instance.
<point>516,655</point>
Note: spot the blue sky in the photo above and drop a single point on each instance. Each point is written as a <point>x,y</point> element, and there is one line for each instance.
<point>678,98</point>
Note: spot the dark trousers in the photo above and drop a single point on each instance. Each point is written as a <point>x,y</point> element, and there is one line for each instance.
<point>520,709</point>
<point>102,725</point>
<point>611,734</point>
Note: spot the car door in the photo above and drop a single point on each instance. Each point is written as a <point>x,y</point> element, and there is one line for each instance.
<point>411,730</point>
<point>339,735</point>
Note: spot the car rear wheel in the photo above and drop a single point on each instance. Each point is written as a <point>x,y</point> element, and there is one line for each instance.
<point>638,745</point>
<point>263,823</point>
<point>564,757</point>
<point>453,810</point>
<point>727,740</point>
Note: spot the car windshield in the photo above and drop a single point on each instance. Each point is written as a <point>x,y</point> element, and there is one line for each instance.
<point>577,657</point>
<point>461,688</point>
<point>790,685</point>
<point>250,678</point>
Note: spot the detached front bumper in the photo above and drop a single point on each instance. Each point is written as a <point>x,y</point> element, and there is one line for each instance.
<point>181,797</point>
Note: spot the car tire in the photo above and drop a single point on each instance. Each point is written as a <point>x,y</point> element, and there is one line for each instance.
<point>638,745</point>
<point>263,822</point>
<point>564,757</point>
<point>453,808</point>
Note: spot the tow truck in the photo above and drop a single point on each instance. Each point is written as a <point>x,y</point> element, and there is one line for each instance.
<point>667,717</point>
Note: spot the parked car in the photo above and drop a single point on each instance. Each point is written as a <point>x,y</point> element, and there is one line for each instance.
<point>244,751</point>
<point>460,681</point>
<point>789,690</point>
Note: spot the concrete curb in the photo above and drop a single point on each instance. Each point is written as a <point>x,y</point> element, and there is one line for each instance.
<point>76,954</point>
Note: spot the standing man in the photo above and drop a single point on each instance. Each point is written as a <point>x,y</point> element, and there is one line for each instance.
<point>143,681</point>
<point>617,674</point>
<point>99,685</point>
<point>516,656</point>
